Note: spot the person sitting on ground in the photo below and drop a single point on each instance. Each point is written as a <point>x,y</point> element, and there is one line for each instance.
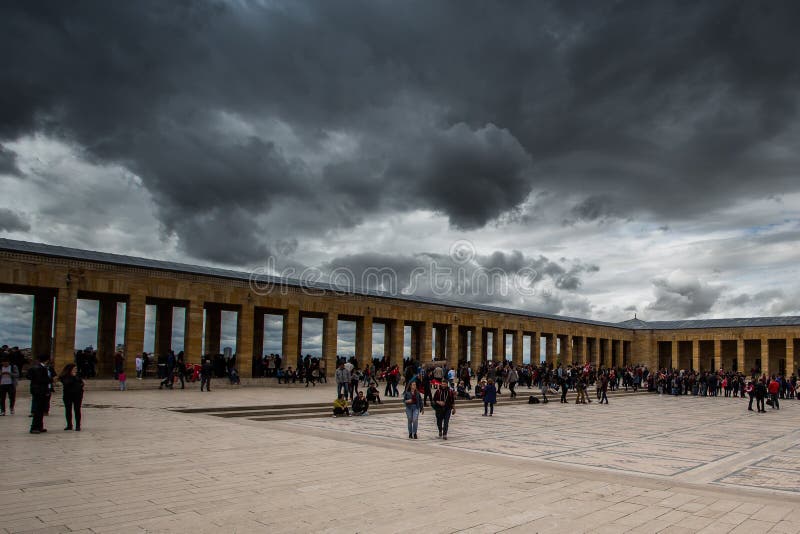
<point>479,387</point>
<point>340,406</point>
<point>373,395</point>
<point>234,377</point>
<point>360,404</point>
<point>461,391</point>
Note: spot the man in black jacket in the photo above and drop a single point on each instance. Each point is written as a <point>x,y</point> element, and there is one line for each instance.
<point>41,379</point>
<point>444,406</point>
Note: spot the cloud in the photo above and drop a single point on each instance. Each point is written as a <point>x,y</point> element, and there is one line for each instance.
<point>682,295</point>
<point>8,162</point>
<point>312,116</point>
<point>11,221</point>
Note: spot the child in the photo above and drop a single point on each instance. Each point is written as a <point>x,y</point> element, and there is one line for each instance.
<point>122,381</point>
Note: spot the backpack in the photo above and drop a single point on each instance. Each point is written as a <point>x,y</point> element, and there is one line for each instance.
<point>533,400</point>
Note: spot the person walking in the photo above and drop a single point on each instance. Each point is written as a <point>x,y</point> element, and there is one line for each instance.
<point>444,406</point>
<point>8,385</point>
<point>512,379</point>
<point>205,375</point>
<point>412,399</point>
<point>41,380</point>
<point>73,395</point>
<point>562,383</point>
<point>603,387</point>
<point>489,398</point>
<point>773,389</point>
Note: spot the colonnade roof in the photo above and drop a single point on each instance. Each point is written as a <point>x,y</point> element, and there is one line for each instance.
<point>42,249</point>
<point>738,322</point>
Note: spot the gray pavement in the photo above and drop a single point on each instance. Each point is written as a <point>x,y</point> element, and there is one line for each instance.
<point>643,463</point>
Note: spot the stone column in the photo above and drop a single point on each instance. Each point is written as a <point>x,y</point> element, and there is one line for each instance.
<point>396,330</point>
<point>499,345</point>
<point>536,349</point>
<point>425,342</point>
<point>163,342</point>
<point>594,351</point>
<point>567,351</point>
<point>291,339</point>
<point>550,349</point>
<point>416,348</point>
<point>789,356</point>
<point>66,310</point>
<point>107,337</point>
<point>330,325</point>
<point>244,340</point>
<point>453,339</point>
<point>364,340</point>
<point>765,367</point>
<point>134,331</point>
<point>696,354</point>
<point>193,332</point>
<point>440,343</point>
<point>213,329</point>
<point>675,359</point>
<point>717,354</point>
<point>476,349</point>
<point>516,348</point>
<point>740,356</point>
<point>41,340</point>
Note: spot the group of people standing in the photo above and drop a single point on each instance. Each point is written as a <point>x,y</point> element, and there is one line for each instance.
<point>42,379</point>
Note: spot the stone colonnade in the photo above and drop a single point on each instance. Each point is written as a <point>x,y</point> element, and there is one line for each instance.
<point>461,333</point>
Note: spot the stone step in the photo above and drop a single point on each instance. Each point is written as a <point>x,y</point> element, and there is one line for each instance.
<point>278,413</point>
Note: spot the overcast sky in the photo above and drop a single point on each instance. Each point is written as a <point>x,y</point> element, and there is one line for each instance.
<point>638,157</point>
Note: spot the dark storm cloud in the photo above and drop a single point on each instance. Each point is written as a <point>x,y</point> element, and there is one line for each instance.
<point>662,108</point>
<point>8,161</point>
<point>11,221</point>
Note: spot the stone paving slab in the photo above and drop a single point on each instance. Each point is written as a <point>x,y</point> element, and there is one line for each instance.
<point>639,464</point>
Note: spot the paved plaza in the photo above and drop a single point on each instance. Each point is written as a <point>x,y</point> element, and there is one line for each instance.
<point>643,463</point>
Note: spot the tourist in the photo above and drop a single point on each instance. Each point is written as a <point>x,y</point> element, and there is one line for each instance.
<point>461,391</point>
<point>603,387</point>
<point>544,386</point>
<point>774,388</point>
<point>444,406</point>
<point>360,404</point>
<point>139,364</point>
<point>489,398</point>
<point>41,380</point>
<point>562,383</point>
<point>373,395</point>
<point>8,385</point>
<point>512,378</point>
<point>414,408</point>
<point>119,362</point>
<point>73,394</point>
<point>342,380</point>
<point>340,406</point>
<point>123,384</point>
<point>760,392</point>
<point>205,375</point>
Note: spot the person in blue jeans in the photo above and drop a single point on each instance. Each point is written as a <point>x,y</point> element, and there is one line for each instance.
<point>413,402</point>
<point>489,398</point>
